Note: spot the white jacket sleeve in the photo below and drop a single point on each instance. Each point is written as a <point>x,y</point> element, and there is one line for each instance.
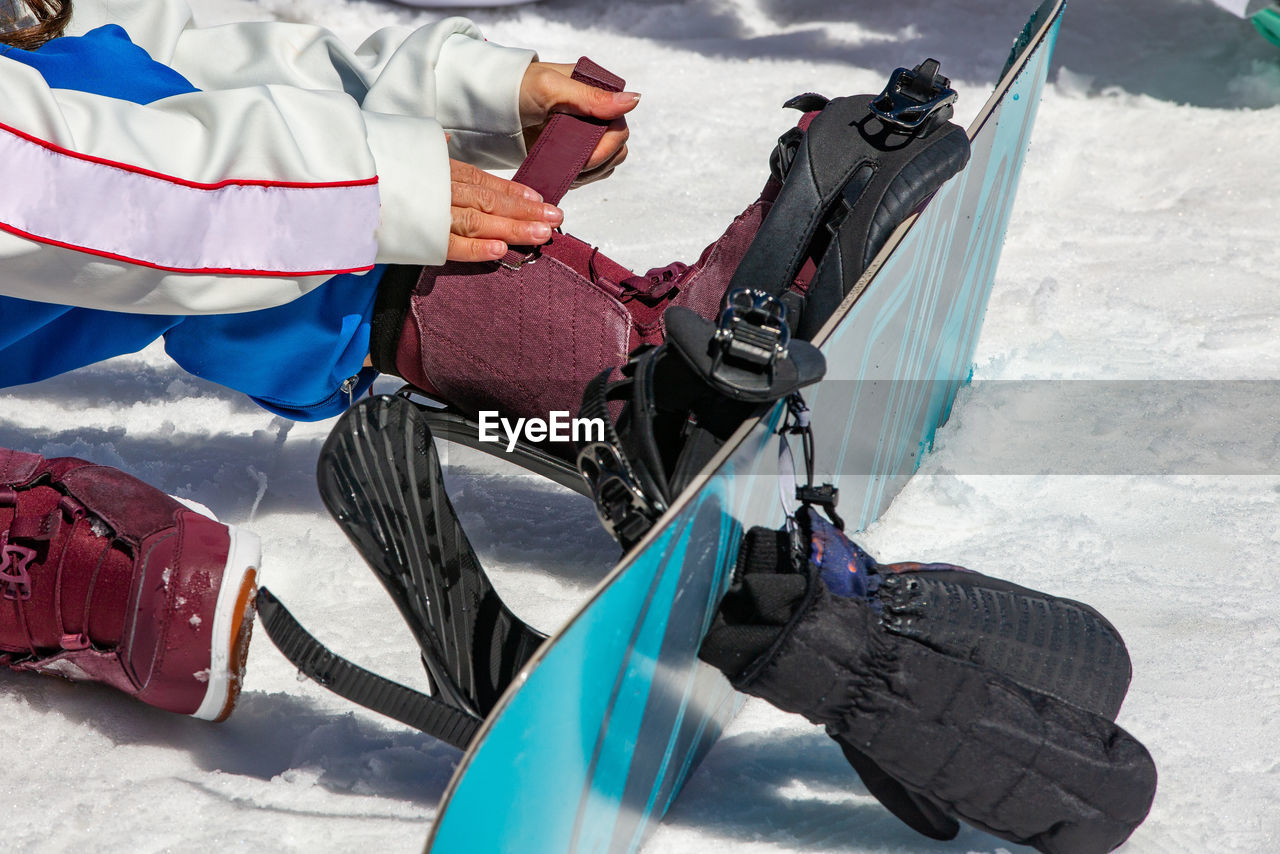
<point>444,70</point>
<point>173,206</point>
<point>237,197</point>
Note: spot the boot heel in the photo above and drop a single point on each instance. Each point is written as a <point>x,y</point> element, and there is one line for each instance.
<point>233,627</point>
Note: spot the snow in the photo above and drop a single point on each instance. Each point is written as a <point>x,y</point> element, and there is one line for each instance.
<point>1119,444</point>
<point>1244,8</point>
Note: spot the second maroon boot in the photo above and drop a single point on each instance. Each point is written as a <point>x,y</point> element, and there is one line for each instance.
<point>106,579</point>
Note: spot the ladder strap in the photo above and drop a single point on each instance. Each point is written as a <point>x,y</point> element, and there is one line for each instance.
<point>566,143</point>
<point>352,682</point>
<point>562,150</point>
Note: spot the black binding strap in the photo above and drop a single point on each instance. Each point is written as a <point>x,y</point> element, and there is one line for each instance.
<point>380,478</point>
<point>352,682</point>
<point>628,500</point>
<point>863,166</point>
<point>682,401</point>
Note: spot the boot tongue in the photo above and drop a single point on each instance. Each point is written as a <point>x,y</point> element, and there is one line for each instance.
<point>128,506</point>
<point>16,467</point>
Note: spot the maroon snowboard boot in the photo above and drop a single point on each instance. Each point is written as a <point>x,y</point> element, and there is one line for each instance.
<point>106,579</point>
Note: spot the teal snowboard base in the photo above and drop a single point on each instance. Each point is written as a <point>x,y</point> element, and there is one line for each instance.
<point>593,740</point>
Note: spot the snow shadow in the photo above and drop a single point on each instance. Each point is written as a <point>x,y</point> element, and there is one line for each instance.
<point>268,736</point>
<point>798,790</point>
<point>232,473</point>
<point>847,32</point>
<point>235,468</point>
<point>123,382</point>
<point>1182,51</point>
<point>526,521</point>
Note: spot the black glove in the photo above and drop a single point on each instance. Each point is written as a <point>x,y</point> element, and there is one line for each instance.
<point>915,811</point>
<point>954,695</point>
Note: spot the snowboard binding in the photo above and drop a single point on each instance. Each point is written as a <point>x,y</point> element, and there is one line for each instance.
<point>851,171</point>
<point>380,478</point>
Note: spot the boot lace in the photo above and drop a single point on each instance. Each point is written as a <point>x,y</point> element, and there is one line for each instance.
<point>15,563</point>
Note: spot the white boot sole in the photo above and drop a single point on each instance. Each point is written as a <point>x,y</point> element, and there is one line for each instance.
<point>232,622</point>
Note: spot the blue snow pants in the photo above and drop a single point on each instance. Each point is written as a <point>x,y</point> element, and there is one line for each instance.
<point>292,359</point>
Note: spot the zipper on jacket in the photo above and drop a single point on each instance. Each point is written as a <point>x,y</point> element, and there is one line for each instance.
<point>348,388</point>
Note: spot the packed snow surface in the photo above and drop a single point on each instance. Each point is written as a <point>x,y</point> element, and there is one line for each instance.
<point>1118,445</point>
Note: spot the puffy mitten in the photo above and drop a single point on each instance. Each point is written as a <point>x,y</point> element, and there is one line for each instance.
<point>954,695</point>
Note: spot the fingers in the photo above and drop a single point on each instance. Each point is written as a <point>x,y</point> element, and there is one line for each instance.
<point>610,147</point>
<point>609,155</point>
<point>548,87</point>
<point>477,236</point>
<point>584,179</point>
<point>487,193</point>
<point>472,223</point>
<point>566,95</point>
<point>465,173</point>
<point>474,251</point>
<point>604,170</point>
<point>489,213</point>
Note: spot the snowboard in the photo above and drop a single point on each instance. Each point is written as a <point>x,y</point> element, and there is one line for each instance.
<point>591,743</point>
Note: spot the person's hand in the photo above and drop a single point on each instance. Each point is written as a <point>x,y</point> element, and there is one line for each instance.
<point>548,88</point>
<point>491,213</point>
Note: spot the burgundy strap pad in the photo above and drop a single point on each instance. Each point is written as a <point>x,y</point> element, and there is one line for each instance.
<point>565,145</point>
